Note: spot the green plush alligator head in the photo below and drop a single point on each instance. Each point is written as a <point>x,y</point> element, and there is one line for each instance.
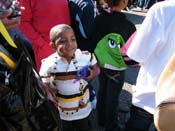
<point>108,53</point>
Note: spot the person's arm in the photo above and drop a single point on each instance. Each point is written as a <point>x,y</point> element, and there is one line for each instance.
<point>93,71</point>
<point>84,15</point>
<point>165,87</point>
<point>26,24</point>
<point>87,19</point>
<point>44,74</point>
<point>148,37</point>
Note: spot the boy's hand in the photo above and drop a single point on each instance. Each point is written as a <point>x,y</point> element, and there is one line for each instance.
<point>93,71</point>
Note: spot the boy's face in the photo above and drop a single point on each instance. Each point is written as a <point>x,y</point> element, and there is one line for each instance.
<point>66,44</point>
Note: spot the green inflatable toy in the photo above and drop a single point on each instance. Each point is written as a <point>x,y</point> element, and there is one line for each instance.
<point>108,53</point>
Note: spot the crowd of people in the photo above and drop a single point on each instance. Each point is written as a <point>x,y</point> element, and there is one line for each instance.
<point>142,5</point>
<point>75,44</point>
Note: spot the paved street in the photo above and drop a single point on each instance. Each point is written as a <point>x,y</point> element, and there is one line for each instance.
<point>131,74</point>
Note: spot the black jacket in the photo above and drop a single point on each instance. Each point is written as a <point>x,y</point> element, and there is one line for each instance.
<point>114,22</point>
<point>82,18</point>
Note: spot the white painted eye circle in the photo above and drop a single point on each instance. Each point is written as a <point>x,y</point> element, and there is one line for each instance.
<point>119,46</point>
<point>112,43</point>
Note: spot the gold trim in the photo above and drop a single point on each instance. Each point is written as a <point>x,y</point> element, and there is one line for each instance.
<point>73,99</point>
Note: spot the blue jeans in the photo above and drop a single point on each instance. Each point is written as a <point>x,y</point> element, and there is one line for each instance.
<point>76,125</point>
<point>140,120</point>
<point>111,83</point>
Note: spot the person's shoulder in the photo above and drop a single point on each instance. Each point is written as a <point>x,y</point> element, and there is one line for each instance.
<point>85,52</point>
<point>102,14</point>
<point>163,10</point>
<point>163,5</point>
<point>80,52</point>
<point>50,58</point>
<point>102,19</point>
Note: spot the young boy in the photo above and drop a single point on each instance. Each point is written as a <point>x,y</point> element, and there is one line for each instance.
<point>59,71</point>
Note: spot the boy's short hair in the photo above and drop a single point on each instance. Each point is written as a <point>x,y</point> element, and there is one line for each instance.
<point>56,30</point>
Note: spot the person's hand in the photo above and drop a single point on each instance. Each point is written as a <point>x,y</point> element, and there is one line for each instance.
<point>11,23</point>
<point>11,16</point>
<point>93,71</point>
<point>13,11</point>
<point>4,13</point>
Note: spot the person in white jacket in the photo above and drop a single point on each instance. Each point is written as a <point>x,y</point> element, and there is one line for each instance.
<point>152,47</point>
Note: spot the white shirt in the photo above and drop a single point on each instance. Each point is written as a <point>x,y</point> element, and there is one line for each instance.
<point>152,46</point>
<point>66,88</point>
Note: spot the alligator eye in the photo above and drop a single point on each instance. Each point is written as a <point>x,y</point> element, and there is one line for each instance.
<point>119,46</point>
<point>112,43</point>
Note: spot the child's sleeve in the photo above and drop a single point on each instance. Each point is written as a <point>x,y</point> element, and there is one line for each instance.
<point>93,59</point>
<point>44,71</point>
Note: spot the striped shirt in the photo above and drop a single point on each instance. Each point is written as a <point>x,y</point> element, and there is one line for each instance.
<point>73,98</point>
